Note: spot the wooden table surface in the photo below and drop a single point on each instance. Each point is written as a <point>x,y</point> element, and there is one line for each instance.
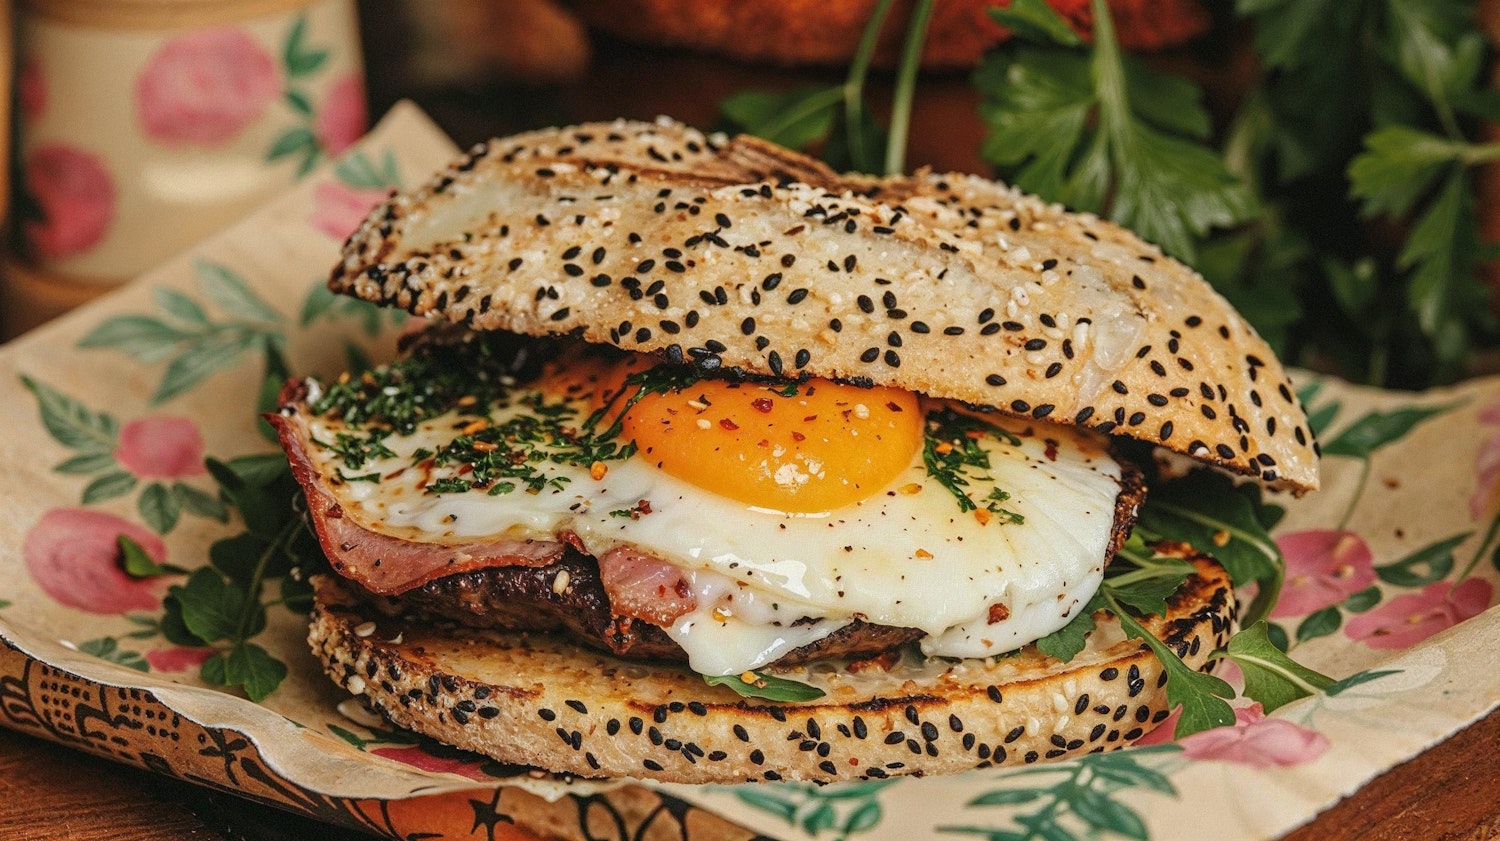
<point>52,793</point>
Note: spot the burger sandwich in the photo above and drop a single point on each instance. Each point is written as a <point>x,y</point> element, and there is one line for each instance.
<point>715,465</point>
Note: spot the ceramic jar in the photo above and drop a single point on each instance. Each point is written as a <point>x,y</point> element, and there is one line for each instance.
<point>146,125</point>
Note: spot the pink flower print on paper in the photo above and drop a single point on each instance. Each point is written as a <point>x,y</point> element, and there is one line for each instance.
<point>1487,467</point>
<point>342,118</point>
<point>73,554</point>
<point>161,447</point>
<point>177,658</point>
<point>1407,620</point>
<point>75,196</point>
<point>420,757</point>
<point>1323,567</point>
<point>31,89</point>
<point>1257,741</point>
<point>338,208</point>
<point>205,87</point>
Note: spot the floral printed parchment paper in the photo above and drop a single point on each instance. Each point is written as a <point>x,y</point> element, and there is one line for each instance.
<point>110,411</point>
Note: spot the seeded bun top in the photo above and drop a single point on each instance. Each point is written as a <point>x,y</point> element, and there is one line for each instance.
<point>736,253</point>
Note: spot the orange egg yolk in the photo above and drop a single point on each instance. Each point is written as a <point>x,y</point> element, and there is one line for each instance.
<point>827,446</point>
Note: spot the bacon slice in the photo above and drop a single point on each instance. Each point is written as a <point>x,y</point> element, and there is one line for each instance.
<point>380,563</point>
<point>642,586</point>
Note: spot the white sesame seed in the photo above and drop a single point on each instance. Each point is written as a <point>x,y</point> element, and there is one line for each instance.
<point>364,629</point>
<point>356,684</point>
<point>703,423</point>
<point>560,582</point>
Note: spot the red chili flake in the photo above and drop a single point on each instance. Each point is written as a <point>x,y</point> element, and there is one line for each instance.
<point>761,404</point>
<point>1051,451</point>
<point>892,406</point>
<point>797,436</point>
<point>728,424</point>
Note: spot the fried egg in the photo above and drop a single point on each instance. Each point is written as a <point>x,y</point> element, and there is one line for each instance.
<point>790,510</point>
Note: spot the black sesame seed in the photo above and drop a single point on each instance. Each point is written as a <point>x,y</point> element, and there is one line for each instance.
<point>920,327</point>
<point>870,355</point>
<point>1013,326</point>
<point>865,304</point>
<point>892,359</point>
<point>989,329</point>
<point>652,765</point>
<point>796,297</point>
<point>803,357</point>
<point>515,263</point>
<point>953,331</point>
<point>1137,418</point>
<point>995,379</point>
<point>1224,451</point>
<point>645,266</point>
<point>1054,369</point>
<point>1166,431</point>
<point>986,314</point>
<point>893,339</point>
<point>1020,406</point>
<point>1042,411</point>
<point>895,738</point>
<point>543,713</point>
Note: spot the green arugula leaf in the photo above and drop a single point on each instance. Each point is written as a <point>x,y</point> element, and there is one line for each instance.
<point>1271,677</point>
<point>1147,587</point>
<point>769,687</point>
<point>1206,510</point>
<point>1201,696</point>
<point>1065,643</point>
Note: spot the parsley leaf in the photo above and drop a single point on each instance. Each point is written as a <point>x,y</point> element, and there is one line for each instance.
<point>1099,131</point>
<point>221,605</point>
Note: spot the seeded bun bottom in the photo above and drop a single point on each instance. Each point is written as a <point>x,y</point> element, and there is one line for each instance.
<point>536,700</point>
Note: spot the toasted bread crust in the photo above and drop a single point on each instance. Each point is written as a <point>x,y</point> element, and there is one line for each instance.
<point>537,701</point>
<point>737,253</point>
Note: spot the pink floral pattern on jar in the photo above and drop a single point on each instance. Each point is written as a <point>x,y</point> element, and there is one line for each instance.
<point>1407,620</point>
<point>1323,568</point>
<point>161,447</point>
<point>338,208</point>
<point>342,119</point>
<point>1257,741</point>
<point>205,87</point>
<point>31,89</point>
<point>73,554</point>
<point>75,195</point>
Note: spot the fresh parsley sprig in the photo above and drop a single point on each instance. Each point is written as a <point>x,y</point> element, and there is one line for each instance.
<point>836,117</point>
<point>223,605</point>
<point>953,457</point>
<point>1094,128</point>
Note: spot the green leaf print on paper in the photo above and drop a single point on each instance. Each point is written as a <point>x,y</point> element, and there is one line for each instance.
<point>1424,566</point>
<point>839,811</point>
<point>193,344</point>
<point>1376,429</point>
<point>156,448</point>
<point>1079,802</point>
<point>358,171</point>
<point>108,648</point>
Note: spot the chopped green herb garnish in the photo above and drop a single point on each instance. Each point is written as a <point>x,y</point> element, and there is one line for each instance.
<point>769,687</point>
<point>952,455</point>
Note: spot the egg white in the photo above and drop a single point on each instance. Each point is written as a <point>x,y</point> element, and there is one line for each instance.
<point>905,556</point>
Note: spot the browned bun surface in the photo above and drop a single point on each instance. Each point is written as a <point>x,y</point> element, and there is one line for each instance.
<point>828,31</point>
<point>535,700</point>
<point>737,253</point>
